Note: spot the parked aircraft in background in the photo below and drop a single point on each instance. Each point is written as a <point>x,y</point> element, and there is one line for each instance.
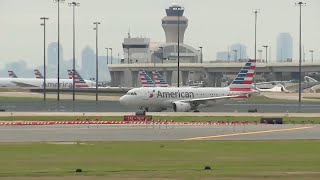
<point>184,99</point>
<point>12,74</point>
<point>79,81</point>
<point>276,88</point>
<point>39,83</point>
<point>146,80</point>
<point>38,74</point>
<point>159,80</point>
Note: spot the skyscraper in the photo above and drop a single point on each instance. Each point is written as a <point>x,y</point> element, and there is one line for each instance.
<point>53,54</point>
<point>240,49</point>
<point>88,62</point>
<point>284,47</point>
<point>223,56</point>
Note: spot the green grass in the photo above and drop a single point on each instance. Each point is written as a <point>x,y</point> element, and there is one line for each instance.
<point>159,160</point>
<point>230,119</point>
<point>6,98</point>
<point>311,97</point>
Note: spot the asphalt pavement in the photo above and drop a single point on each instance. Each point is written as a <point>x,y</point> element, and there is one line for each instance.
<point>150,132</point>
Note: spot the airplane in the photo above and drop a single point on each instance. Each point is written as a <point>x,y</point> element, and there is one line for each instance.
<point>159,80</point>
<point>145,79</point>
<point>38,74</point>
<point>277,88</point>
<point>12,74</point>
<point>185,99</point>
<point>308,79</point>
<point>39,83</point>
<point>79,81</point>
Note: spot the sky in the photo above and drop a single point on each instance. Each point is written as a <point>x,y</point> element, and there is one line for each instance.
<point>213,24</point>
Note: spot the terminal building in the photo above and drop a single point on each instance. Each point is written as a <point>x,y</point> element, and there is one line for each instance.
<point>143,50</point>
<point>141,53</point>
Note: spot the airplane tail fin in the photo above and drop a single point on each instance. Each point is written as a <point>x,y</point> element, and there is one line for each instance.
<point>243,81</point>
<point>145,79</point>
<point>38,74</point>
<point>79,81</point>
<point>159,80</point>
<point>69,74</point>
<point>12,74</point>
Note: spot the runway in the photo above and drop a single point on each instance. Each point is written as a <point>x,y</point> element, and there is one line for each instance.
<point>115,106</point>
<point>73,133</point>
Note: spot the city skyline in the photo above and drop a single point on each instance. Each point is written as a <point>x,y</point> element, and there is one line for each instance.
<point>284,47</point>
<point>21,33</point>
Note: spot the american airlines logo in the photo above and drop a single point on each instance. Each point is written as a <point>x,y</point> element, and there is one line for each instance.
<point>152,94</point>
<point>176,94</point>
<point>54,85</point>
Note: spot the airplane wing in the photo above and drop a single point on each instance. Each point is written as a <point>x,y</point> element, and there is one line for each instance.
<point>20,84</point>
<point>214,100</point>
<point>210,100</point>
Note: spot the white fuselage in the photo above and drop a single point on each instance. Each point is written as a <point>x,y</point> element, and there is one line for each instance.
<point>33,82</point>
<point>163,97</point>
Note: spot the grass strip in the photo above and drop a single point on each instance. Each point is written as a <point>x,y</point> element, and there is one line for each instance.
<point>157,160</point>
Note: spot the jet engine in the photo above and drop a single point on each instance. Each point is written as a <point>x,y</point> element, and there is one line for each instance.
<point>181,107</point>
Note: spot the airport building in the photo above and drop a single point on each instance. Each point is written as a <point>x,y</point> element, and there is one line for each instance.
<point>143,50</point>
<point>141,53</point>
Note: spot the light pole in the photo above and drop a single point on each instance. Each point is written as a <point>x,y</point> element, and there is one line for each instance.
<point>97,71</point>
<point>200,54</point>
<point>265,46</point>
<point>260,54</point>
<point>107,55</point>
<point>179,8</point>
<point>118,58</point>
<point>255,42</point>
<point>311,55</point>
<point>235,54</point>
<point>44,56</point>
<point>73,4</point>
<point>240,52</point>
<point>228,53</point>
<point>162,54</point>
<point>111,55</point>
<point>300,4</point>
<point>58,2</point>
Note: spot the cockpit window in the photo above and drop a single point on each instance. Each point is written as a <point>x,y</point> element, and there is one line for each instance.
<point>131,93</point>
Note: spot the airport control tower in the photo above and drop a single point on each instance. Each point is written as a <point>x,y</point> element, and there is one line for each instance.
<point>170,24</point>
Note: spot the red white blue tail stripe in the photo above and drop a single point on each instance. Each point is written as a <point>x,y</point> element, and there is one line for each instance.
<point>159,80</point>
<point>38,74</point>
<point>145,79</point>
<point>243,81</point>
<point>79,81</point>
<point>12,74</point>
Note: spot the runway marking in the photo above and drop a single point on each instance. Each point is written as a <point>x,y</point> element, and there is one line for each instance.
<point>246,133</point>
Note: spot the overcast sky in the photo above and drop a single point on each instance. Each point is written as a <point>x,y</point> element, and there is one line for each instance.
<point>213,24</point>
